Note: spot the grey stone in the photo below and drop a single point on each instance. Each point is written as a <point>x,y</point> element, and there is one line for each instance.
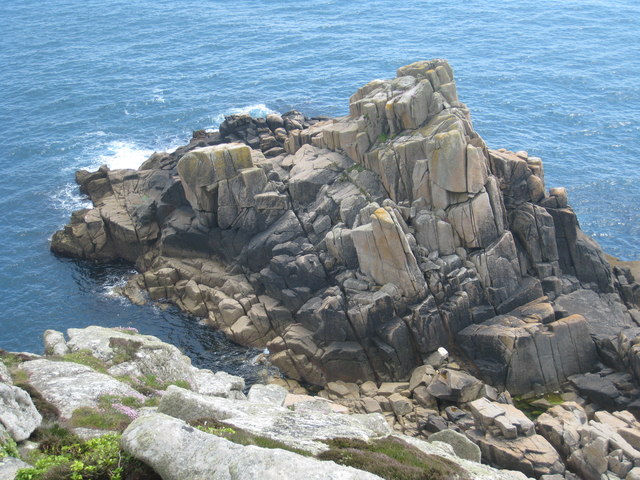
<point>462,446</point>
<point>400,405</point>
<point>5,376</point>
<point>54,343</point>
<point>271,394</point>
<point>17,412</point>
<point>9,466</point>
<point>454,386</point>
<point>69,386</point>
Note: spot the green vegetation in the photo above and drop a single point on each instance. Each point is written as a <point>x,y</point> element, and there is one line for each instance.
<point>12,359</point>
<point>241,437</point>
<point>99,418</point>
<point>356,168</point>
<point>51,440</point>
<point>96,459</point>
<point>382,138</point>
<point>8,448</point>
<point>390,458</point>
<point>112,413</point>
<point>48,410</point>
<point>84,357</point>
<point>533,410</point>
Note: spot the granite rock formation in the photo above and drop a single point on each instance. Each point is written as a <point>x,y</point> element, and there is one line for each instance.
<point>354,247</point>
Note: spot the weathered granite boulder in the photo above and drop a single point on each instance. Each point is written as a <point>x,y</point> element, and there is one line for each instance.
<point>129,353</point>
<point>18,414</point>
<point>384,254</point>
<point>454,386</point>
<point>54,343</point>
<point>301,429</point>
<point>69,386</point>
<point>177,451</point>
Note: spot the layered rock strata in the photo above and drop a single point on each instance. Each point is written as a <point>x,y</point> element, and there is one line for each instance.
<point>364,243</point>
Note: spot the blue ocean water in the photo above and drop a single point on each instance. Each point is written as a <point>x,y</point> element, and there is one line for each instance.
<point>88,82</point>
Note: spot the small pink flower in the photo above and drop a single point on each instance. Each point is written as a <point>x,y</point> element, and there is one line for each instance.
<point>132,413</point>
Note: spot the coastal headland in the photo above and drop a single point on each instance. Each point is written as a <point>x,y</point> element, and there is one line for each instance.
<point>391,258</point>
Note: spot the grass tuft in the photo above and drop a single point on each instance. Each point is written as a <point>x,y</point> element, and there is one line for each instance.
<point>241,437</point>
<point>392,459</point>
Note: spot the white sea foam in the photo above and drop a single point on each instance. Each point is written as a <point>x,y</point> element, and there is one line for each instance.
<point>114,282</point>
<point>69,199</point>
<point>255,110</point>
<point>122,155</point>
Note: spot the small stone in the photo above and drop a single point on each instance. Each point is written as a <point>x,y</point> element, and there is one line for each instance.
<point>389,388</point>
<point>400,404</point>
<point>370,405</point>
<point>438,358</point>
<point>368,389</point>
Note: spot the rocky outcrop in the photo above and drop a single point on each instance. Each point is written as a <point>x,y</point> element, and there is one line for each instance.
<point>353,248</point>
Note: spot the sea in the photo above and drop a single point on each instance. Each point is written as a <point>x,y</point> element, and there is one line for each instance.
<point>87,83</point>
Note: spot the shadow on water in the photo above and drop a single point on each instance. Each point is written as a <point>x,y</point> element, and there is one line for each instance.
<point>204,345</point>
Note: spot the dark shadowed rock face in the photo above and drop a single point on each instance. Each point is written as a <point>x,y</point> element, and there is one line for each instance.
<point>354,247</point>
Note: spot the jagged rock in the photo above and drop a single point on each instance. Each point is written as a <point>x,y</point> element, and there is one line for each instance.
<point>18,414</point>
<point>510,421</point>
<point>69,386</point>
<point>438,358</point>
<point>373,241</point>
<point>560,425</point>
<point>400,405</point>
<point>598,389</point>
<point>454,386</point>
<point>384,254</point>
<point>605,314</point>
<point>523,348</point>
<point>168,445</point>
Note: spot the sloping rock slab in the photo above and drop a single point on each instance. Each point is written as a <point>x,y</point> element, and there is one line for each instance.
<point>69,386</point>
<point>177,451</point>
<point>147,355</point>
<point>300,429</point>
